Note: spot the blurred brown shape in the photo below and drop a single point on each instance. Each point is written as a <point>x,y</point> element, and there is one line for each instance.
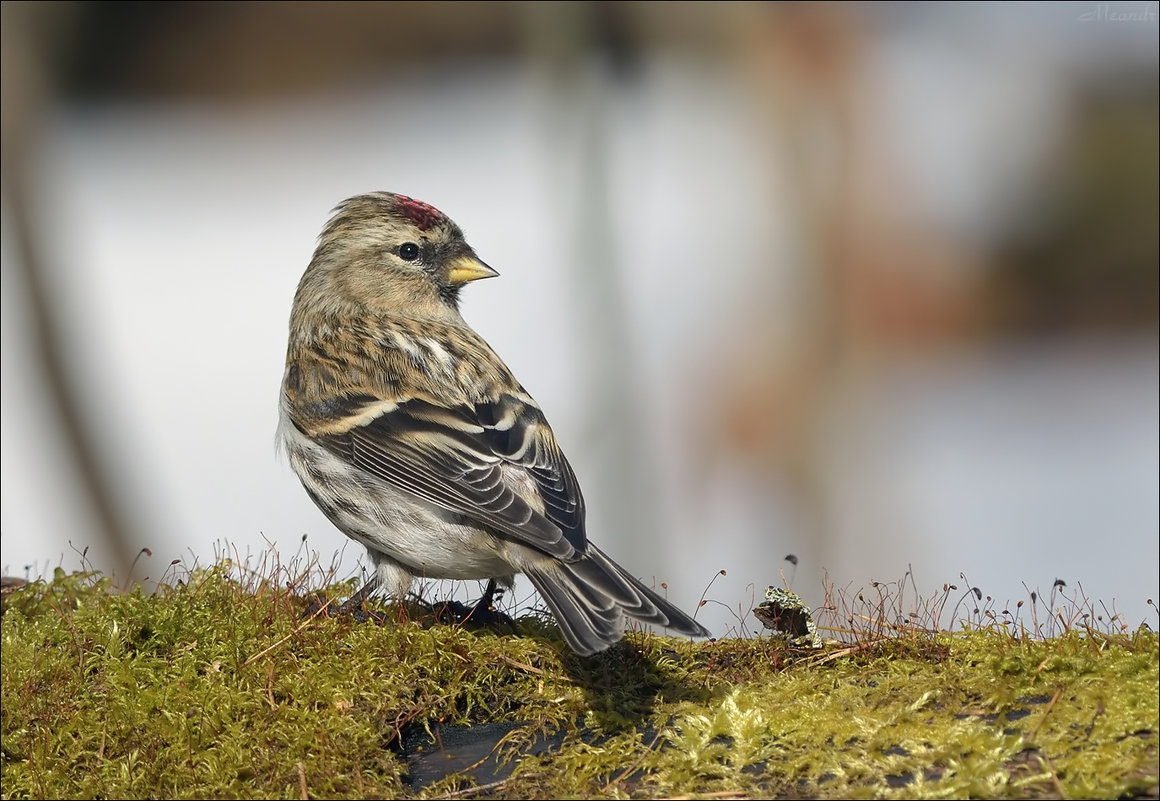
<point>877,281</point>
<point>255,50</point>
<point>33,34</point>
<point>1089,263</point>
<point>871,279</point>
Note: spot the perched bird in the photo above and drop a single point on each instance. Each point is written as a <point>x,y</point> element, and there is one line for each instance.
<point>416,440</point>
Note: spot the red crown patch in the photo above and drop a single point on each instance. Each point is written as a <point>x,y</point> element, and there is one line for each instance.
<point>418,212</point>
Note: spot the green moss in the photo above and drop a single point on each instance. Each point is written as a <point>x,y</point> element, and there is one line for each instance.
<point>220,688</point>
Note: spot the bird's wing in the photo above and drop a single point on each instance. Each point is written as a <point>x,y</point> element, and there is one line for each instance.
<point>480,461</point>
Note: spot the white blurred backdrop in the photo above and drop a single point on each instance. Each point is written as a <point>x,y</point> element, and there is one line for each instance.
<point>874,285</point>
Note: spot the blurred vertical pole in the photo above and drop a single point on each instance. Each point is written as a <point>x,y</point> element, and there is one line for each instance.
<point>28,31</point>
<point>880,281</point>
<point>580,47</point>
<point>779,383</point>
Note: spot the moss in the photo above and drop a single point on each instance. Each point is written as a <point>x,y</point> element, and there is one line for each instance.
<point>219,687</point>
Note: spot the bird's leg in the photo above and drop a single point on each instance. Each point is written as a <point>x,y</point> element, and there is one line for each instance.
<point>484,614</point>
<point>354,604</point>
<point>485,607</point>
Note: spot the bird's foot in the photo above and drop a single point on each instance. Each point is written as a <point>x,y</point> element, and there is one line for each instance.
<point>319,606</point>
<point>484,615</point>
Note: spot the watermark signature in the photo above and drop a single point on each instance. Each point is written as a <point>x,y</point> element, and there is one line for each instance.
<point>1121,13</point>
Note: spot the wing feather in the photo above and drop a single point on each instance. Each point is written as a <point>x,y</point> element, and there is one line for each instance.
<point>471,460</point>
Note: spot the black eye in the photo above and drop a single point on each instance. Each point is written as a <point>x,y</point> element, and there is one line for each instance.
<point>408,251</point>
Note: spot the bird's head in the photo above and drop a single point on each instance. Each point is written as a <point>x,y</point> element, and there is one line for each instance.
<point>389,253</point>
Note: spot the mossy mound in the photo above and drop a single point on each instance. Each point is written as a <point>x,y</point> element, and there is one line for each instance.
<point>217,688</point>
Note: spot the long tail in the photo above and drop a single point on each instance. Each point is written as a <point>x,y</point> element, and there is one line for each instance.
<point>592,596</point>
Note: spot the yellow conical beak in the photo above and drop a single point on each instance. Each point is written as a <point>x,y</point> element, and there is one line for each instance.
<point>466,268</point>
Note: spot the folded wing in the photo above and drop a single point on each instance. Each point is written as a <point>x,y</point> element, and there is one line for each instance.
<point>468,459</point>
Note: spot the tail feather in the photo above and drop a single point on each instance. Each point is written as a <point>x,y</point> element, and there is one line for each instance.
<point>591,597</point>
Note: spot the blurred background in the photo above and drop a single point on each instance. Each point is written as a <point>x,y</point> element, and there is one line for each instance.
<point>874,285</point>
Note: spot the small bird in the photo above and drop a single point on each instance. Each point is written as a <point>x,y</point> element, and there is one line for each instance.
<point>416,440</point>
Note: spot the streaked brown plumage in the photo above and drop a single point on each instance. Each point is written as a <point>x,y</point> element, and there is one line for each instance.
<point>415,439</point>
